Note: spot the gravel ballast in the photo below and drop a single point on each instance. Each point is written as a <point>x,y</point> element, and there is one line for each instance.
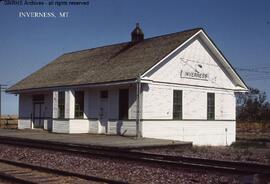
<point>128,171</point>
<point>252,155</point>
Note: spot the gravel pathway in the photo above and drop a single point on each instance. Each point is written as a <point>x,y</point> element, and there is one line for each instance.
<point>129,171</point>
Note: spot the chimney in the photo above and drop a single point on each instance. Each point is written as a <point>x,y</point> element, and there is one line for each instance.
<point>137,34</point>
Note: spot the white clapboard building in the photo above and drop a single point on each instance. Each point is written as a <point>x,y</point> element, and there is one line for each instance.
<point>177,86</point>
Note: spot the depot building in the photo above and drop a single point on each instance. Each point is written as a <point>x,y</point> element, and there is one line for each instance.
<point>177,86</point>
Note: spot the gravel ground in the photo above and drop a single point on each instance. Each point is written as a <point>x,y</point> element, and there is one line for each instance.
<point>254,155</point>
<point>132,172</point>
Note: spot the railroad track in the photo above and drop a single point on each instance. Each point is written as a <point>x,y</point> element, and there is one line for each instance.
<point>18,172</point>
<point>242,168</point>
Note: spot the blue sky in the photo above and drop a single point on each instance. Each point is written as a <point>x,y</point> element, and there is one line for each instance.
<point>239,28</point>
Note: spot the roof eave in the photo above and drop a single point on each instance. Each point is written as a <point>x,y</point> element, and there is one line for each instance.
<point>68,87</point>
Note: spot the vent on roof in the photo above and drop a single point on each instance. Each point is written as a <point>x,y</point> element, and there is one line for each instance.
<point>137,34</point>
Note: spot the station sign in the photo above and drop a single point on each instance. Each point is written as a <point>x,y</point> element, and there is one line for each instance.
<point>194,75</point>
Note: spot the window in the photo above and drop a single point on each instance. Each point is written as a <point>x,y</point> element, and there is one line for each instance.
<point>210,106</point>
<point>104,94</point>
<point>123,103</point>
<point>177,104</point>
<point>79,104</point>
<point>61,104</point>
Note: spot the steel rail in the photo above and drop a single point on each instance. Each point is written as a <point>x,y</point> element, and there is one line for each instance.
<point>50,170</point>
<point>165,160</point>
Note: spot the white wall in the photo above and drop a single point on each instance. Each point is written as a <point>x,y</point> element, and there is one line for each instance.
<point>158,106</point>
<point>71,104</point>
<point>214,133</point>
<point>48,124</point>
<point>78,126</point>
<point>93,126</point>
<point>55,104</point>
<point>225,105</point>
<point>158,98</point>
<point>24,123</point>
<point>119,127</point>
<point>60,126</point>
<point>188,59</point>
<point>158,102</point>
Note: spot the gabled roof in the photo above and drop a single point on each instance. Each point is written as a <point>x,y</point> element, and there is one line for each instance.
<point>119,62</point>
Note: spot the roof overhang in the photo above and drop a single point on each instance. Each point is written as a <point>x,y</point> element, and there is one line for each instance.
<point>71,87</point>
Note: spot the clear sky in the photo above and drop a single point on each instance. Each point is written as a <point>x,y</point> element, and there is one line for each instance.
<point>239,28</point>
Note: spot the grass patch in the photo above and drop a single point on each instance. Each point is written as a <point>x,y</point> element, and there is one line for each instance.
<point>248,144</point>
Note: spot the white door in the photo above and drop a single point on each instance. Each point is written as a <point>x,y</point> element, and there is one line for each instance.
<point>103,116</point>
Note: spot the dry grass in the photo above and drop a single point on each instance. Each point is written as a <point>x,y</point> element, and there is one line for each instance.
<point>253,127</point>
<point>9,122</point>
<point>232,153</point>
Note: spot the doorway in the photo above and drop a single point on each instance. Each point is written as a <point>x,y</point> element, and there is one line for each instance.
<point>38,111</point>
<point>38,115</point>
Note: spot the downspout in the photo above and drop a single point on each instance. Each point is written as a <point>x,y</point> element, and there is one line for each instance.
<point>138,113</point>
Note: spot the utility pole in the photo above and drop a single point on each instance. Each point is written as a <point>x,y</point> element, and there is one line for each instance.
<point>2,87</point>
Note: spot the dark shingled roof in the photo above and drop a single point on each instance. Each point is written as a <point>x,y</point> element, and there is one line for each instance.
<point>124,61</point>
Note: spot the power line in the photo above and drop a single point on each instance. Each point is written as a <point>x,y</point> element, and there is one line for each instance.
<point>262,71</point>
<point>259,78</point>
<point>255,69</point>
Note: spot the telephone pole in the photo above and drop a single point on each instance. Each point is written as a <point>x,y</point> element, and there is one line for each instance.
<point>2,88</point>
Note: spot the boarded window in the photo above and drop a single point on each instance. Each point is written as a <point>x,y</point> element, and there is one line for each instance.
<point>123,103</point>
<point>177,104</point>
<point>79,104</point>
<point>61,104</point>
<point>210,106</point>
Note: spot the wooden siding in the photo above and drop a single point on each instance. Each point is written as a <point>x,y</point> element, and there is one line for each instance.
<point>61,126</point>
<point>24,123</point>
<point>214,133</point>
<point>194,57</point>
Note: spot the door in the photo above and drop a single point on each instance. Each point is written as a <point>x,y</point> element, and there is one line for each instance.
<point>38,115</point>
<point>103,112</point>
